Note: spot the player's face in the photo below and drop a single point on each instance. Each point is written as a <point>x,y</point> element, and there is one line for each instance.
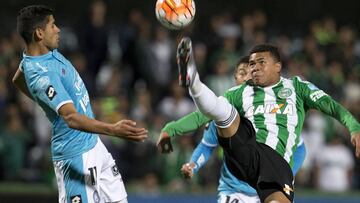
<point>265,71</point>
<point>51,34</point>
<point>242,74</point>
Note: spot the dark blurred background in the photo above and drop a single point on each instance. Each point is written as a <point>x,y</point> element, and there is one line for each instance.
<point>126,59</point>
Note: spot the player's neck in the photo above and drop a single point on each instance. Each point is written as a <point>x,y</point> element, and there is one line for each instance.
<point>274,82</point>
<point>36,49</point>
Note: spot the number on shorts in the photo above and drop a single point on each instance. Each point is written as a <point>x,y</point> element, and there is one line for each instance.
<point>229,200</point>
<point>93,175</point>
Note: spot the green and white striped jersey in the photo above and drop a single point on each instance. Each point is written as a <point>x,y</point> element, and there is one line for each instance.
<point>278,112</point>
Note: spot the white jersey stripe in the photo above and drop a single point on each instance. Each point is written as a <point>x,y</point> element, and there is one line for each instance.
<point>248,98</point>
<point>292,120</point>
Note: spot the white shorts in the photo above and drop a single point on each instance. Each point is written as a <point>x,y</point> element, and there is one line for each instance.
<point>237,198</point>
<point>92,177</point>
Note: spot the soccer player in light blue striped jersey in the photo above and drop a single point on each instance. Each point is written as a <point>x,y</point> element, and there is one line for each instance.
<point>85,170</point>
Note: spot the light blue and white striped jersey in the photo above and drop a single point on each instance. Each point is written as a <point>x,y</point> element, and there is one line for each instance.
<point>53,81</point>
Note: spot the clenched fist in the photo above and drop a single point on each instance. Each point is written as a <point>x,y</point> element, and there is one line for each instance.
<point>164,143</point>
<point>188,170</point>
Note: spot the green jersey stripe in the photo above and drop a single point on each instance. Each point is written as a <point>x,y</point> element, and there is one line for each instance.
<point>258,112</point>
<point>270,118</point>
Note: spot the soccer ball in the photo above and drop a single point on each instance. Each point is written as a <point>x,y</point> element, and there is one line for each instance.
<point>175,14</point>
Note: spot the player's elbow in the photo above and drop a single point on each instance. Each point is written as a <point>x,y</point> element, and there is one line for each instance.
<point>15,80</point>
<point>72,120</point>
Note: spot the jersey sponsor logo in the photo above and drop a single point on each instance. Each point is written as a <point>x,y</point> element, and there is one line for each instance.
<point>276,108</point>
<point>283,108</point>
<point>78,83</point>
<point>317,95</point>
<point>29,65</point>
<point>43,82</point>
<point>285,93</point>
<point>93,175</point>
<point>84,102</point>
<point>200,161</point>
<point>76,199</point>
<point>50,92</point>
<point>96,196</point>
<point>115,170</point>
<point>42,67</point>
<point>287,189</point>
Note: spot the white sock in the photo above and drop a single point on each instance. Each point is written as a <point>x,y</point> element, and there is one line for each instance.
<point>216,108</point>
<point>196,87</point>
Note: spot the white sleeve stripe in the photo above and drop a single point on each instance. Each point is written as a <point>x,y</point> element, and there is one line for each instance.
<point>208,144</point>
<point>301,141</point>
<point>229,121</point>
<point>20,66</point>
<point>61,104</point>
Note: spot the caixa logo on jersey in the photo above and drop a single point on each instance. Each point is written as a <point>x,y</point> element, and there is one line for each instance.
<point>50,92</point>
<point>282,108</point>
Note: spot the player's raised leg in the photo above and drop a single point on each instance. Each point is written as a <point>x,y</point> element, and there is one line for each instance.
<point>216,108</point>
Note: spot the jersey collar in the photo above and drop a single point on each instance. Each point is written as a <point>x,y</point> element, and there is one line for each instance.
<point>250,82</point>
<point>40,57</point>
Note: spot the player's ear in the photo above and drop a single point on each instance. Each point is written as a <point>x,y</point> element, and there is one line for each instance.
<point>38,34</point>
<point>278,67</point>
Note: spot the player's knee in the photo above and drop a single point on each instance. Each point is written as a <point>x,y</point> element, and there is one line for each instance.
<point>230,130</point>
<point>224,113</point>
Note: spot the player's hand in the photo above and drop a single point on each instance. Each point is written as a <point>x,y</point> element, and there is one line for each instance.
<point>164,143</point>
<point>355,140</point>
<point>127,129</point>
<point>187,170</point>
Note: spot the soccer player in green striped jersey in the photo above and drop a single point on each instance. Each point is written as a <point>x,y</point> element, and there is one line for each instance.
<point>259,122</point>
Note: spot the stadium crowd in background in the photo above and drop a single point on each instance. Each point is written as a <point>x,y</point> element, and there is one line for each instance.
<point>134,79</point>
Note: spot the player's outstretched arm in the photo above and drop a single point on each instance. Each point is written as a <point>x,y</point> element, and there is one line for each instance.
<point>199,157</point>
<point>318,99</point>
<point>334,109</point>
<point>202,151</point>
<point>19,82</point>
<point>126,129</point>
<point>184,125</point>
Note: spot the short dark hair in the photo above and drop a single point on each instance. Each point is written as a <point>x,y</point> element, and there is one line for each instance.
<point>274,52</point>
<point>244,59</point>
<point>31,17</point>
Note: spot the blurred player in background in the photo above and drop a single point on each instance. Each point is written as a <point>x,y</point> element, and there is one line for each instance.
<point>259,123</point>
<point>230,188</point>
<point>85,170</point>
